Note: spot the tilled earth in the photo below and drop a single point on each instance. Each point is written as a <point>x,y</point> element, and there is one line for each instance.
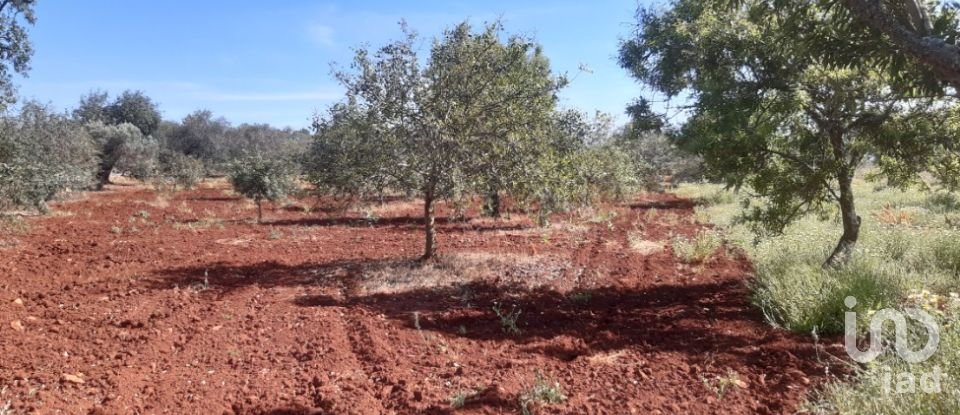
<point>128,302</point>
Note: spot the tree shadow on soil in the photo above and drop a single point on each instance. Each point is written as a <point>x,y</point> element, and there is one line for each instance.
<point>443,224</point>
<point>710,321</point>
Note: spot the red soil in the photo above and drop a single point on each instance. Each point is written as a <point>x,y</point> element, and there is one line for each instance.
<point>115,316</point>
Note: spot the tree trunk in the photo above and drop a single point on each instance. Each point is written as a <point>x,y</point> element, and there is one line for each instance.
<point>848,211</point>
<point>103,173</point>
<point>851,225</point>
<point>428,226</point>
<point>491,204</point>
<point>259,210</point>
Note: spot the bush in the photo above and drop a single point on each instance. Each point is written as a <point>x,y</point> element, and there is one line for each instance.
<point>176,169</point>
<point>141,159</point>
<point>111,142</point>
<point>257,178</point>
<point>42,154</point>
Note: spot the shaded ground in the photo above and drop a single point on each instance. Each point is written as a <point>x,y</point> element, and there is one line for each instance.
<point>126,302</point>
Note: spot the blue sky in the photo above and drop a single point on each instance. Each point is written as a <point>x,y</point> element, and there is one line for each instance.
<point>255,61</point>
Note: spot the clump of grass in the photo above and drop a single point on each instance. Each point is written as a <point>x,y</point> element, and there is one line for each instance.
<point>641,245</point>
<point>542,392</point>
<point>116,230</point>
<point>13,224</point>
<point>275,234</point>
<point>459,400</point>
<point>945,253</point>
<point>722,384</point>
<point>804,297</point>
<point>508,320</point>
<point>697,249</point>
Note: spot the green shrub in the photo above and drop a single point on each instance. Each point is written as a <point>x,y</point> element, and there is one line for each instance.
<point>42,154</point>
<point>177,170</point>
<point>257,178</point>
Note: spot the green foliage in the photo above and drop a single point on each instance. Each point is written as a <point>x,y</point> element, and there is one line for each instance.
<point>542,391</point>
<point>508,319</point>
<point>347,159</point>
<point>42,154</point>
<point>439,129</point>
<point>578,165</point>
<point>112,145</point>
<point>131,107</point>
<point>177,170</point>
<point>767,116</point>
<point>198,136</point>
<point>262,179</point>
<point>141,158</point>
<point>15,45</point>
<point>659,159</point>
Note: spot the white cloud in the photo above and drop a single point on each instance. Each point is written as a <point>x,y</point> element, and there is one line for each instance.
<point>321,34</point>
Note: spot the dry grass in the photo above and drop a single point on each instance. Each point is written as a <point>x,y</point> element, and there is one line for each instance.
<point>464,268</point>
<point>643,246</point>
<point>606,358</point>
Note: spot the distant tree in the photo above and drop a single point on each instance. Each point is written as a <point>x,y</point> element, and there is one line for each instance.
<point>263,139</point>
<point>578,164</point>
<point>15,47</point>
<point>42,153</point>
<point>766,115</point>
<point>659,160</point>
<point>175,169</point>
<point>112,143</point>
<point>262,179</point>
<point>199,135</point>
<point>93,108</point>
<point>136,108</point>
<point>130,107</point>
<point>347,157</point>
<point>141,158</point>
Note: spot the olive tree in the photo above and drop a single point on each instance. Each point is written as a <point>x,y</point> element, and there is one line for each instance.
<point>42,153</point>
<point>175,169</point>
<point>112,143</point>
<point>262,179</point>
<point>15,47</point>
<point>436,126</point>
<point>768,117</point>
<point>130,107</point>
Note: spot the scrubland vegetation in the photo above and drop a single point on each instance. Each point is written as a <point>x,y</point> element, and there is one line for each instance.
<point>820,142</point>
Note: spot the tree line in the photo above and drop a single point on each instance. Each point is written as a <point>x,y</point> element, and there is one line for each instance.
<point>477,115</point>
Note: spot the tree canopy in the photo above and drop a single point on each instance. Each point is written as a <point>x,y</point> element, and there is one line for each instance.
<point>767,115</point>
<point>436,128</point>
